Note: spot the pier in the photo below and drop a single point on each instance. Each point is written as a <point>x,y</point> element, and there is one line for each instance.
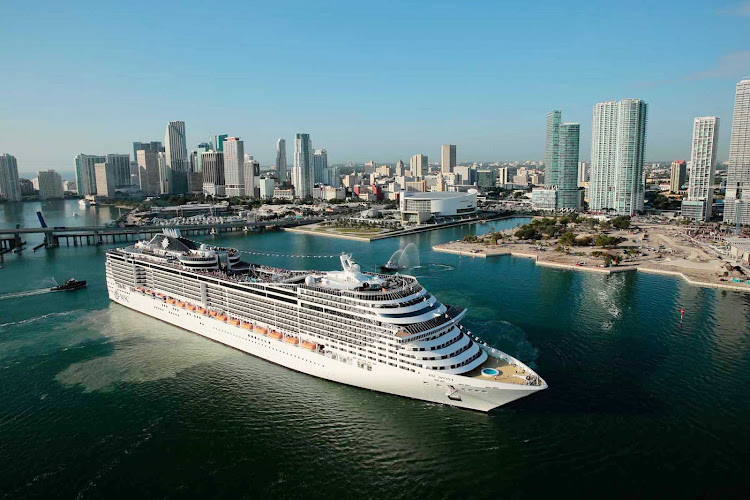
<point>98,235</point>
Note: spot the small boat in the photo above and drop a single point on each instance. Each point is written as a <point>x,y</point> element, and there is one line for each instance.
<point>392,264</point>
<point>247,326</point>
<point>200,310</point>
<point>234,322</point>
<point>221,317</point>
<point>275,335</point>
<point>213,314</point>
<point>291,340</point>
<point>140,289</point>
<point>180,304</point>
<point>171,301</point>
<point>84,203</point>
<point>262,331</point>
<point>190,307</point>
<point>71,284</point>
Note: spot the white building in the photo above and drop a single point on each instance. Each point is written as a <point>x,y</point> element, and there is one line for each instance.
<point>618,146</point>
<point>266,186</point>
<point>418,166</point>
<point>302,173</point>
<point>281,165</point>
<point>10,189</point>
<point>420,207</point>
<point>583,173</point>
<point>50,185</point>
<point>702,168</point>
<point>121,167</point>
<point>283,194</point>
<point>234,166</point>
<point>148,171</point>
<point>105,180</point>
<point>86,173</point>
<point>447,158</point>
<point>738,173</point>
<point>252,173</point>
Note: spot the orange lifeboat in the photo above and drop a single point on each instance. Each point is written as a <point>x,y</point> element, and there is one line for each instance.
<point>171,301</point>
<point>247,326</point>
<point>221,317</point>
<point>213,313</point>
<point>150,292</point>
<point>275,335</point>
<point>140,288</point>
<point>234,322</point>
<point>190,307</point>
<point>261,330</point>
<point>160,295</point>
<point>291,340</point>
<point>180,304</point>
<point>309,345</point>
<point>200,310</point>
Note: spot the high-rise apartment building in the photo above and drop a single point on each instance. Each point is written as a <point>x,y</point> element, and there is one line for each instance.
<point>195,157</point>
<point>677,175</point>
<point>618,146</point>
<point>418,166</point>
<point>175,149</point>
<point>234,166</point>
<point>50,185</point>
<point>148,171</point>
<point>320,164</point>
<point>121,166</point>
<point>583,173</point>
<point>568,195</point>
<point>447,158</point>
<point>252,175</point>
<point>10,189</point>
<point>105,179</point>
<point>86,173</point>
<point>552,147</point>
<point>700,195</point>
<point>213,173</point>
<point>281,165</point>
<point>737,199</point>
<point>302,173</point>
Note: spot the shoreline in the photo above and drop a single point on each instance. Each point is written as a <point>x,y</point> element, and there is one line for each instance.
<point>401,232</point>
<point>601,270</point>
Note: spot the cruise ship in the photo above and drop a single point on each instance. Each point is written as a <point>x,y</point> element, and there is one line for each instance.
<point>380,332</point>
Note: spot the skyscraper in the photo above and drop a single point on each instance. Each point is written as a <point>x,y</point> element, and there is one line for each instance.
<point>738,173</point>
<point>302,173</point>
<point>219,142</point>
<point>148,171</point>
<point>678,173</point>
<point>568,195</point>
<point>213,172</point>
<point>552,147</point>
<point>195,157</point>
<point>121,166</point>
<point>320,164</point>
<point>86,173</point>
<point>281,173</point>
<point>583,172</point>
<point>175,147</point>
<point>10,189</point>
<point>700,194</point>
<point>105,179</point>
<point>447,158</point>
<point>234,166</point>
<point>418,166</point>
<point>618,145</point>
<point>147,146</point>
<point>50,185</point>
<point>252,174</point>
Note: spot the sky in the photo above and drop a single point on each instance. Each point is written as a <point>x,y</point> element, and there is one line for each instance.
<point>367,80</point>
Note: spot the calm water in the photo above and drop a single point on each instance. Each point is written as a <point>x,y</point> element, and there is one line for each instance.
<point>98,401</point>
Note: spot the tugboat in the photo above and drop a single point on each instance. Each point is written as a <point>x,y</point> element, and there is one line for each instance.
<point>71,284</point>
<point>392,266</point>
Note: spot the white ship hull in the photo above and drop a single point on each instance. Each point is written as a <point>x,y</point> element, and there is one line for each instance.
<point>455,390</point>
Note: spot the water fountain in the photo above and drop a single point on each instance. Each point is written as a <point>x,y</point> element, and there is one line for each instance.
<point>401,259</point>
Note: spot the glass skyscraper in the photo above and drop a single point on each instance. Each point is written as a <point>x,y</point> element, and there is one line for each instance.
<point>737,200</point>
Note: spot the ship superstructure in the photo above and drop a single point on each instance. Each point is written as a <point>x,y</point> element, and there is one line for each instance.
<point>381,332</point>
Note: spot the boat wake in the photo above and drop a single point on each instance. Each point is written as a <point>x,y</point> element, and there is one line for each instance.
<point>27,293</point>
<point>35,318</point>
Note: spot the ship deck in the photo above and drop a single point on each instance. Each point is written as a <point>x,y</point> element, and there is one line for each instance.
<point>509,374</point>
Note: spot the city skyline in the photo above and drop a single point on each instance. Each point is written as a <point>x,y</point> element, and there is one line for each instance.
<point>489,105</point>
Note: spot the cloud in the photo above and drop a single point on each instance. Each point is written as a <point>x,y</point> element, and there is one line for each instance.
<point>736,64</point>
<point>739,9</point>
